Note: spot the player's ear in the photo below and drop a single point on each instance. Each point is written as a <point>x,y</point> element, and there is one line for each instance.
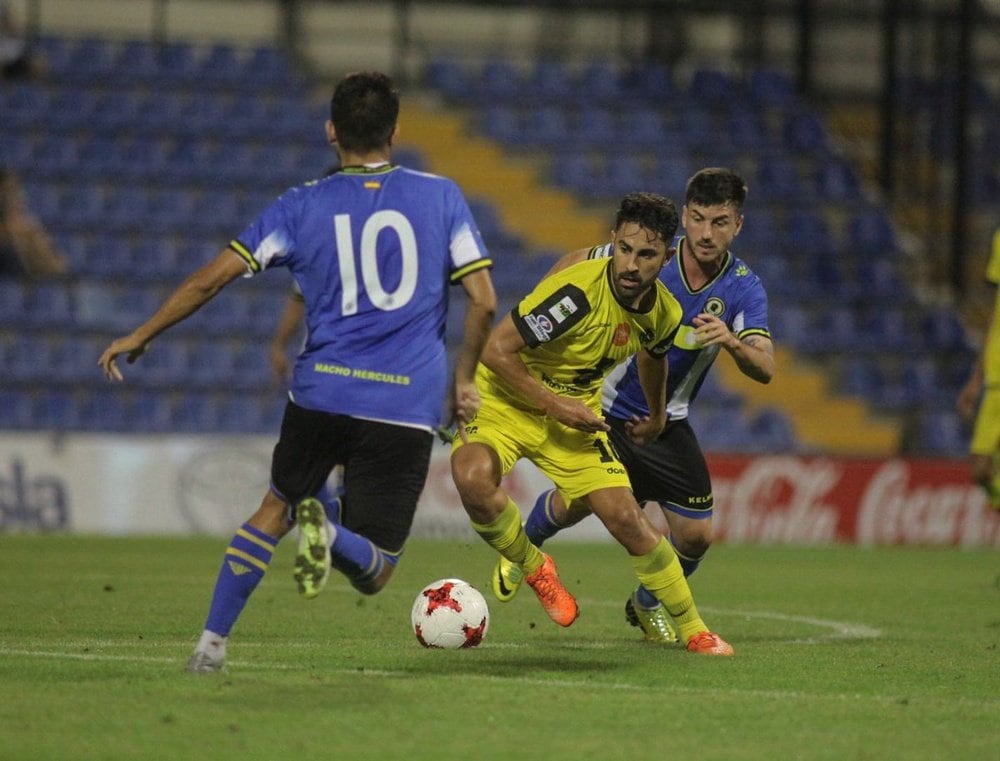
<point>739,225</point>
<point>671,251</point>
<point>331,133</point>
<point>395,135</point>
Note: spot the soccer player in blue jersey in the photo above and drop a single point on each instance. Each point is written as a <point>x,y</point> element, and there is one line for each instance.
<point>540,381</point>
<point>374,248</point>
<point>724,308</point>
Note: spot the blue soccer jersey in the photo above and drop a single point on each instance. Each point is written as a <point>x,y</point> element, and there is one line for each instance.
<point>735,295</point>
<point>373,251</point>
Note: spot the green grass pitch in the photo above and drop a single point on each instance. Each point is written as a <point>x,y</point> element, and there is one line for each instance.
<point>841,653</point>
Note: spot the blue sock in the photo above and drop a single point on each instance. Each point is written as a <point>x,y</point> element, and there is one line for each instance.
<point>356,557</point>
<point>689,564</point>
<point>331,503</point>
<point>645,598</point>
<point>540,524</point>
<point>244,565</point>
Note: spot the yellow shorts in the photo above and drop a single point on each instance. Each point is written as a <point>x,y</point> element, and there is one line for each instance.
<point>986,434</point>
<point>577,462</point>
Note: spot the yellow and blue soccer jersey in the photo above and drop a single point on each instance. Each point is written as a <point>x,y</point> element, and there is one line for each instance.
<point>991,349</point>
<point>735,295</point>
<point>373,251</point>
<point>576,331</point>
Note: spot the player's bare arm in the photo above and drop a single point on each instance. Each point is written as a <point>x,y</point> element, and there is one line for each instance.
<point>568,260</point>
<point>196,290</point>
<point>479,312</point>
<point>288,326</point>
<point>754,354</point>
<point>502,354</point>
<point>653,379</point>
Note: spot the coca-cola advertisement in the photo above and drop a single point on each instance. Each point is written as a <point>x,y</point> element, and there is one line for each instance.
<point>822,500</point>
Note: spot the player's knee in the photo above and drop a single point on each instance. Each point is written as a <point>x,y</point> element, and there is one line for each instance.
<point>631,529</point>
<point>475,474</point>
<point>694,546</point>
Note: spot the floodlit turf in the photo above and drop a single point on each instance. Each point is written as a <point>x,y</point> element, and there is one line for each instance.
<point>841,653</point>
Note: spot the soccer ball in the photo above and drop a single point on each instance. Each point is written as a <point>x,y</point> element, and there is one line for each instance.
<point>450,614</point>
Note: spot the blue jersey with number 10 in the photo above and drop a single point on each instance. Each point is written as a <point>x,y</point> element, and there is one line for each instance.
<point>373,251</point>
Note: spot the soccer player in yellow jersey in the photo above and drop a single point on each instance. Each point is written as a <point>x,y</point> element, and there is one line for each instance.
<point>540,378</point>
<point>985,378</point>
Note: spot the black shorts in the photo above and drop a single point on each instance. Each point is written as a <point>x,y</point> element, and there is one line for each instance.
<point>671,470</point>
<point>385,467</point>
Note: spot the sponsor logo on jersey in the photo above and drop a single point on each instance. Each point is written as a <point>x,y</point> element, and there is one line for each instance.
<point>540,325</point>
<point>563,309</point>
<point>741,271</point>
<point>622,333</point>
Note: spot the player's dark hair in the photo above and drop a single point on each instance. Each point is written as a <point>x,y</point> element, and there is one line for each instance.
<point>364,110</point>
<point>652,211</point>
<point>716,186</point>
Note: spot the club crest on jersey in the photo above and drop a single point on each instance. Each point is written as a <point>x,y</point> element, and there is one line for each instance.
<point>622,332</point>
<point>715,306</point>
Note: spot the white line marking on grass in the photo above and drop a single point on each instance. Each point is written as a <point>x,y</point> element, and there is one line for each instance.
<point>839,629</point>
<point>249,667</point>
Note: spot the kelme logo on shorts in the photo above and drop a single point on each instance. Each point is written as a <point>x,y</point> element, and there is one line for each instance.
<point>621,334</point>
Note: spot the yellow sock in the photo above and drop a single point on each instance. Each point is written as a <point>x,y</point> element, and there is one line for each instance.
<point>507,537</point>
<point>660,572</point>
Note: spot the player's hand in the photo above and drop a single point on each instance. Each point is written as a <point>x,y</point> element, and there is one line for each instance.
<point>643,429</point>
<point>575,414</point>
<point>710,330</point>
<point>129,346</point>
<point>967,400</point>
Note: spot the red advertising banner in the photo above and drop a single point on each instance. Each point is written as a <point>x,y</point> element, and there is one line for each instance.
<point>817,500</point>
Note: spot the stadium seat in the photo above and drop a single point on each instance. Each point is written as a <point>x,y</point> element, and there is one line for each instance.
<point>804,133</point>
<point>836,181</point>
<point>450,78</point>
<point>499,81</point>
<point>712,86</point>
<point>870,232</point>
<point>598,83</point>
<point>25,106</point>
<point>771,431</point>
<point>771,88</point>
<point>778,180</point>
<point>56,410</point>
<point>944,433</point>
<point>16,409</point>
<point>221,67</point>
<point>550,81</point>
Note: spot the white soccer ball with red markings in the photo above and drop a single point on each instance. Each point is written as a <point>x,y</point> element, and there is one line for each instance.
<point>450,614</point>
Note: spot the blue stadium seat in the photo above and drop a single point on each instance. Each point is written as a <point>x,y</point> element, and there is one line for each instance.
<point>90,62</point>
<point>942,329</point>
<point>643,129</point>
<point>221,66</point>
<point>870,232</point>
<point>771,88</point>
<point>651,79</point>
<point>114,110</point>
<point>747,132</point>
<point>151,411</point>
<point>713,86</point>
<point>501,122</point>
<point>160,113</point>
<point>103,409</point>
<point>547,126</point>
<point>49,305</point>
<point>499,81</point>
<point>269,67</point>
<point>598,83</point>
<point>16,409</point>
<point>594,129</point>
<point>770,430</point>
<point>55,409</point>
<point>836,181</point>
<point>25,105</point>
<point>450,78</point>
<point>778,180</point>
<point>944,433</point>
<point>810,236</point>
<point>804,133</point>
<point>55,157</point>
<point>241,414</point>
<point>576,172</point>
<point>196,412</point>
<point>550,81</point>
